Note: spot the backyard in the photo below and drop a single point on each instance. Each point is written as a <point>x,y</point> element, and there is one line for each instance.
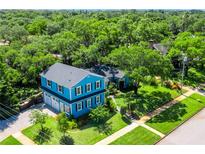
<point>87,134</point>
<point>149,98</point>
<point>138,136</point>
<point>168,120</point>
<point>10,140</point>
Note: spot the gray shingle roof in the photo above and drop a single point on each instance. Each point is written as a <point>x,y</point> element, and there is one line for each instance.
<point>65,75</point>
<point>163,49</point>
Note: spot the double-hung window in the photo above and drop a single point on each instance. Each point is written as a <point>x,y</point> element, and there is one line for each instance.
<point>88,87</point>
<point>98,99</point>
<point>97,84</point>
<point>49,83</point>
<point>89,103</point>
<point>78,90</point>
<point>60,89</point>
<point>79,106</point>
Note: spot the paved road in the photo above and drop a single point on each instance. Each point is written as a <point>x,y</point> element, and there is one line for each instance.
<point>19,122</point>
<point>191,132</point>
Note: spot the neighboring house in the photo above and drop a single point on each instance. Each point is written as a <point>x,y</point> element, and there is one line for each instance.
<point>163,49</point>
<point>111,74</point>
<point>72,90</point>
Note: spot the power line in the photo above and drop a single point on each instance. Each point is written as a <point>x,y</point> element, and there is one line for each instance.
<point>12,116</point>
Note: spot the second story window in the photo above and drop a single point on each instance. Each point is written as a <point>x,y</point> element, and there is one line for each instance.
<point>49,83</point>
<point>88,87</point>
<point>97,84</point>
<point>78,90</point>
<point>60,89</point>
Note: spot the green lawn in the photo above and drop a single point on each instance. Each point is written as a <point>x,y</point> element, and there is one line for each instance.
<point>10,140</point>
<point>177,114</point>
<point>150,98</point>
<point>89,134</point>
<point>138,136</point>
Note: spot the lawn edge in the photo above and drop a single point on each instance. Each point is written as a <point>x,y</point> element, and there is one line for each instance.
<point>179,126</point>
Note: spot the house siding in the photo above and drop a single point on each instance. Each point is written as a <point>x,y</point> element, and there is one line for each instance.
<point>68,97</point>
<point>54,88</point>
<point>89,79</point>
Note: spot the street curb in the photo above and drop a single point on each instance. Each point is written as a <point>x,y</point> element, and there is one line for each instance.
<point>179,125</point>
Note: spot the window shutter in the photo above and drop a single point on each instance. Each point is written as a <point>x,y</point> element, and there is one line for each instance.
<point>82,105</point>
<point>75,91</point>
<point>86,88</point>
<point>76,106</point>
<point>81,89</point>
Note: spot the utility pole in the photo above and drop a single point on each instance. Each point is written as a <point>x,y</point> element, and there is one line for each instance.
<point>184,60</point>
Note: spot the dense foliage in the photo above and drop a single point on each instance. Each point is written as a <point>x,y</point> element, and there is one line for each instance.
<point>30,41</point>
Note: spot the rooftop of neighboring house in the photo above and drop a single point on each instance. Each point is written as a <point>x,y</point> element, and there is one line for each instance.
<point>107,71</point>
<point>160,47</point>
<point>66,75</point>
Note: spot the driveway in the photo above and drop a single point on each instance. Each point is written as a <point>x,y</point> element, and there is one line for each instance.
<point>191,132</point>
<point>17,123</point>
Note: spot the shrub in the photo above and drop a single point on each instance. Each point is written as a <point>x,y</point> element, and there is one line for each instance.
<point>99,114</point>
<point>196,75</point>
<point>168,84</point>
<point>72,124</point>
<point>111,105</point>
<point>153,82</point>
<point>123,109</point>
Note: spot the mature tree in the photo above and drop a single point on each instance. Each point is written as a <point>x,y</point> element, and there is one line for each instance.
<point>139,62</point>
<point>63,123</point>
<point>38,117</point>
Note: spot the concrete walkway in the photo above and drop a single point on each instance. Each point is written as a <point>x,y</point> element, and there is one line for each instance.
<point>113,99</point>
<point>153,130</point>
<point>23,139</point>
<point>118,134</point>
<point>144,119</point>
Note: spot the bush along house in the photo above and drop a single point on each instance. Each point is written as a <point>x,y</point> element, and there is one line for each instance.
<point>72,90</point>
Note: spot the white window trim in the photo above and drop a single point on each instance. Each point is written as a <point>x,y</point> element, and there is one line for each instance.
<point>96,84</point>
<point>99,99</point>
<point>90,102</point>
<point>47,83</point>
<point>59,88</point>
<point>77,94</point>
<point>90,87</point>
<point>81,106</point>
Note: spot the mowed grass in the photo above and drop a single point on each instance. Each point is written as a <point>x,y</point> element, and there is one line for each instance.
<point>138,136</point>
<point>168,120</point>
<point>10,140</point>
<point>149,98</point>
<point>86,135</point>
<point>150,89</point>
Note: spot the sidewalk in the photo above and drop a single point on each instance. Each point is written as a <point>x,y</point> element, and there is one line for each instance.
<point>23,139</point>
<point>118,134</point>
<point>144,119</point>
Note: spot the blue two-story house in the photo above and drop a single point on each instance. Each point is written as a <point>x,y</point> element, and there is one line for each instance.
<point>72,90</point>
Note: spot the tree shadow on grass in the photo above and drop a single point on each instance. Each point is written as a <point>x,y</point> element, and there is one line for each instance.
<point>173,114</point>
<point>43,135</point>
<point>105,128</point>
<point>126,120</point>
<point>66,140</point>
<point>148,102</point>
